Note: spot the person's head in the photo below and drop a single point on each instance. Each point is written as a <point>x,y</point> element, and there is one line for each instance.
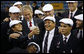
<point>7,9</point>
<point>72,5</point>
<point>27,12</point>
<point>48,10</point>
<point>79,21</point>
<point>34,3</point>
<point>49,23</point>
<point>16,25</point>
<point>66,25</point>
<point>39,14</point>
<point>18,4</point>
<point>14,13</point>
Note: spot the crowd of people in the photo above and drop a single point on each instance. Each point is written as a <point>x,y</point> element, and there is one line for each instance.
<point>38,30</point>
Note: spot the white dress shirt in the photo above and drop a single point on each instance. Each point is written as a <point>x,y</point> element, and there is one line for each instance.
<point>72,12</point>
<point>78,35</point>
<point>32,23</point>
<point>50,37</point>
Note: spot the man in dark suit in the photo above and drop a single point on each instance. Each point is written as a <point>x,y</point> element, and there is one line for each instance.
<point>48,36</point>
<point>28,21</point>
<point>68,42</point>
<point>73,11</point>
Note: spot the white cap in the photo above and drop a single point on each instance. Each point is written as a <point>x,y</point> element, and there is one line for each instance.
<point>38,12</point>
<point>13,22</point>
<point>33,43</point>
<point>16,3</point>
<point>79,17</point>
<point>47,7</point>
<point>49,18</point>
<point>67,21</point>
<point>14,9</point>
<point>71,1</point>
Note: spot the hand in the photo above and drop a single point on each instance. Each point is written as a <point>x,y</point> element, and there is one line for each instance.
<point>31,49</point>
<point>14,35</point>
<point>34,32</point>
<point>6,20</point>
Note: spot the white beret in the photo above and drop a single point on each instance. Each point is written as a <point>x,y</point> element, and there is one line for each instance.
<point>14,9</point>
<point>16,3</point>
<point>38,12</point>
<point>33,43</point>
<point>79,17</point>
<point>71,1</point>
<point>13,22</point>
<point>49,18</point>
<point>47,7</point>
<point>67,21</point>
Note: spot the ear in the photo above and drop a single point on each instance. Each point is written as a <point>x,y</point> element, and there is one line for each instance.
<point>9,14</point>
<point>13,29</point>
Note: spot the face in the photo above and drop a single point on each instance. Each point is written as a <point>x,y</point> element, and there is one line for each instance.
<point>65,29</point>
<point>27,14</point>
<point>49,25</point>
<point>14,16</point>
<point>49,13</point>
<point>40,16</point>
<point>19,5</point>
<point>79,24</point>
<point>17,27</point>
<point>72,6</point>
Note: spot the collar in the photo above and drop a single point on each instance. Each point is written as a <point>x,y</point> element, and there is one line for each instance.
<point>66,36</point>
<point>73,11</point>
<point>51,30</point>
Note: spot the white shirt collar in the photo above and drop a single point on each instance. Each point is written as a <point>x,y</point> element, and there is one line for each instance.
<point>66,36</point>
<point>74,12</point>
<point>52,30</point>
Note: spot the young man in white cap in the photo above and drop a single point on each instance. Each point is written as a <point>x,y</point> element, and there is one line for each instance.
<point>68,42</point>
<point>79,30</point>
<point>18,4</point>
<point>72,11</point>
<point>19,41</point>
<point>79,25</point>
<point>39,14</point>
<point>49,11</point>
<point>14,15</point>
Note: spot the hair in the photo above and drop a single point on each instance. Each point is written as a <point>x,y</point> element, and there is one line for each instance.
<point>25,7</point>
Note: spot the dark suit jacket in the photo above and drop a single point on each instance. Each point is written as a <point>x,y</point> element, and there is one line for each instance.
<point>66,15</point>
<point>72,44</point>
<point>4,37</point>
<point>26,29</point>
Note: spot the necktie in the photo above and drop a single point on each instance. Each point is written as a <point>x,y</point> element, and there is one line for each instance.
<point>71,15</point>
<point>45,44</point>
<point>65,40</point>
<point>30,24</point>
